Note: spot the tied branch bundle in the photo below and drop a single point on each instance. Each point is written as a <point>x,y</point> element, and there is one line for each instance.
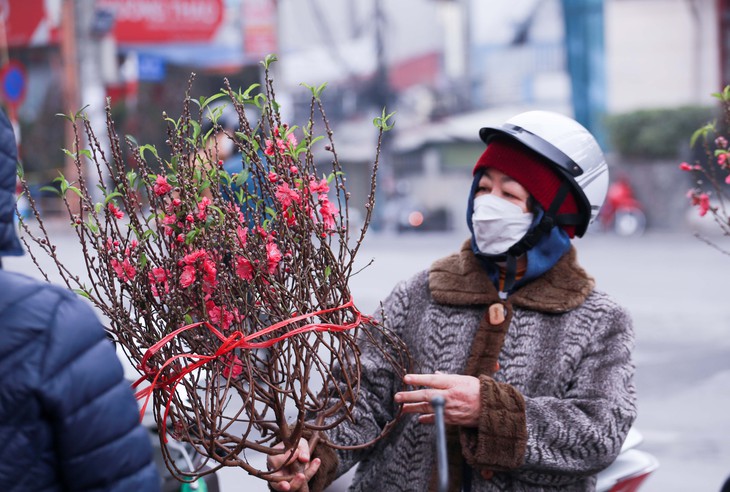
<point>227,291</point>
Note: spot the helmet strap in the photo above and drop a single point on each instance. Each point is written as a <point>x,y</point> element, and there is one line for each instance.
<point>548,221</point>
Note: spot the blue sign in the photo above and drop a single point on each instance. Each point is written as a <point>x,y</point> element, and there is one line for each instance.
<point>150,68</point>
<point>13,82</point>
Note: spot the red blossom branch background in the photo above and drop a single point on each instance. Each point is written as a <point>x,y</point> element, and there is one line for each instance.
<point>709,195</point>
<point>228,292</point>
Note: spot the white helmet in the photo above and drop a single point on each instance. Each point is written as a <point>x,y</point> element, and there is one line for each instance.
<point>570,147</point>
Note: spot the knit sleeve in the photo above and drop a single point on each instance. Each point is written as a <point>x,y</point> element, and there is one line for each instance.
<point>581,432</point>
<point>98,437</point>
<point>375,407</point>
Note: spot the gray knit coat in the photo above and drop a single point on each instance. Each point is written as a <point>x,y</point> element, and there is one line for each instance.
<point>556,380</point>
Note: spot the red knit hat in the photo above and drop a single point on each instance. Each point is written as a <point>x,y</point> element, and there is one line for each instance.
<point>530,170</point>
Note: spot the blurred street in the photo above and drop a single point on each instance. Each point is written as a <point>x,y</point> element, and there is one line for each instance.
<point>674,286</point>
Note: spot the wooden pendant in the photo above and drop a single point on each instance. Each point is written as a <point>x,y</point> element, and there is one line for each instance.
<point>496,314</point>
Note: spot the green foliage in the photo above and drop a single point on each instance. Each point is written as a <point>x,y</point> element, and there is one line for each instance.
<point>656,133</point>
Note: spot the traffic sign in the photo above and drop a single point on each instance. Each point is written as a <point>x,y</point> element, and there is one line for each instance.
<point>13,83</point>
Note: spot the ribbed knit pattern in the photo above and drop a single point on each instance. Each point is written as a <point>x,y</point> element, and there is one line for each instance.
<point>565,378</point>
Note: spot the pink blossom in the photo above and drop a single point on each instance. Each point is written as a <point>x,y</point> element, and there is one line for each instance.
<point>242,233</point>
<point>158,276</point>
<point>187,277</point>
<point>704,204</point>
<point>192,258</point>
<point>161,186</point>
<point>125,270</point>
<point>328,211</point>
<point>290,217</point>
<point>209,273</point>
<point>115,211</point>
<point>273,257</point>
<point>273,177</point>
<point>279,144</point>
<point>234,366</point>
<point>321,187</point>
<point>722,159</point>
<point>685,167</point>
<point>727,179</point>
<point>203,208</point>
<point>219,315</point>
<point>244,269</point>
<point>286,195</point>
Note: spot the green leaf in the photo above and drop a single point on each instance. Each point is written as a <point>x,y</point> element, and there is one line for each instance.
<point>381,122</point>
<point>142,260</point>
<point>242,177</point>
<point>701,132</point>
<point>85,152</point>
<point>196,130</point>
<point>316,91</point>
<point>188,319</point>
<point>83,293</point>
<point>132,178</point>
<point>75,191</point>
<point>111,196</point>
<point>269,60</point>
<point>327,272</point>
<point>270,211</point>
<point>50,189</point>
<point>133,140</point>
<point>204,102</point>
<point>190,236</point>
<point>147,147</point>
<point>91,225</point>
<point>247,93</point>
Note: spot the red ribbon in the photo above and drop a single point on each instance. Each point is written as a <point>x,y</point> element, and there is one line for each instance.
<point>236,340</point>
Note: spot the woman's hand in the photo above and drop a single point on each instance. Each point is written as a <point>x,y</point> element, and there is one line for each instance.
<point>461,394</point>
<point>296,466</point>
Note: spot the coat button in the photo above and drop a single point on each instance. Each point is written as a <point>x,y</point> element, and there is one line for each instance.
<point>487,474</point>
<point>497,313</point>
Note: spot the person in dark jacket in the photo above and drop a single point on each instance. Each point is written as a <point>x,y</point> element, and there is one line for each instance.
<point>68,418</point>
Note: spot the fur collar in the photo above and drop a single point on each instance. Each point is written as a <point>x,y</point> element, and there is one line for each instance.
<point>460,280</point>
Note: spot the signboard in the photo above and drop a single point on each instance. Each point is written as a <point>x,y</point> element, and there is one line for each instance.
<point>164,21</point>
<point>259,28</point>
<point>13,83</point>
<point>24,21</point>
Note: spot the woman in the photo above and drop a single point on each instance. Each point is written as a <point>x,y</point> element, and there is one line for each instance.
<point>534,363</point>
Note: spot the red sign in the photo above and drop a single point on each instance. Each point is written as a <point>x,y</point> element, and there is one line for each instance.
<point>164,21</point>
<point>23,21</point>
<point>259,27</point>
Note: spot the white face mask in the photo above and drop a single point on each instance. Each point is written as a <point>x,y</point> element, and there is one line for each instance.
<point>498,224</point>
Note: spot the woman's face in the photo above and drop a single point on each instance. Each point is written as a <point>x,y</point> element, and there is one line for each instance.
<point>499,184</point>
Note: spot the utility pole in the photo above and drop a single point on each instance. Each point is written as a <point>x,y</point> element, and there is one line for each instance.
<point>82,85</point>
<point>382,97</point>
<point>71,100</point>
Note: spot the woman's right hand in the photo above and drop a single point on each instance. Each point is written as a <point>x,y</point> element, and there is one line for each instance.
<point>297,467</point>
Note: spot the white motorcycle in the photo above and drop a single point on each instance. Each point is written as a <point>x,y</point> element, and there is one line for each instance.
<point>625,474</point>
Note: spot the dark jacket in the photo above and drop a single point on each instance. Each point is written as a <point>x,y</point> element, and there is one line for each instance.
<point>68,419</point>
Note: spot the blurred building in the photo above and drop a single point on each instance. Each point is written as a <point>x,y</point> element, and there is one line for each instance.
<point>447,67</point>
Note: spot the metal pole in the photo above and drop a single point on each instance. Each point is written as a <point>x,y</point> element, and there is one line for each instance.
<point>442,461</point>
